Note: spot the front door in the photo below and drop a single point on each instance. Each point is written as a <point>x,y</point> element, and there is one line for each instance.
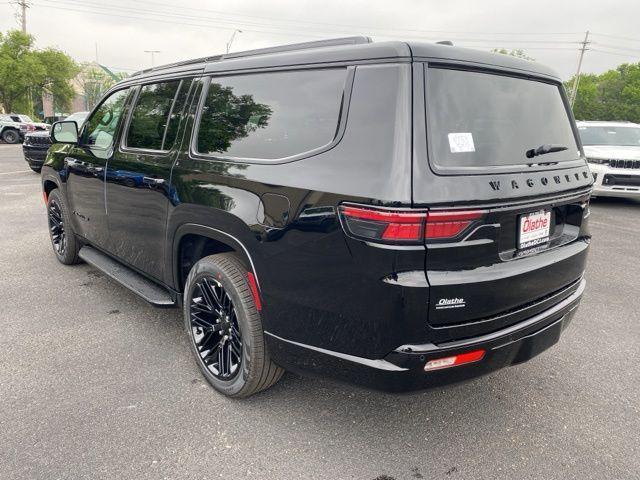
<point>85,168</point>
<point>138,176</point>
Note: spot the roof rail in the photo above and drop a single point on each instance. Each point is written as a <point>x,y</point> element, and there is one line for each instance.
<point>332,42</point>
<point>210,58</point>
<point>262,51</point>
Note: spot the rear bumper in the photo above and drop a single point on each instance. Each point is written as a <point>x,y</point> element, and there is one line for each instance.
<point>403,369</point>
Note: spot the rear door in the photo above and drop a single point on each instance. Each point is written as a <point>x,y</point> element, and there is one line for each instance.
<point>138,175</point>
<point>502,174</point>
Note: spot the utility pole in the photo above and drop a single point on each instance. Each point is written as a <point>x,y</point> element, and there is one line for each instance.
<point>23,4</point>
<point>576,79</point>
<point>153,58</point>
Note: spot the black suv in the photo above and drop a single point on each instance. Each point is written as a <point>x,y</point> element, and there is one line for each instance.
<point>400,215</point>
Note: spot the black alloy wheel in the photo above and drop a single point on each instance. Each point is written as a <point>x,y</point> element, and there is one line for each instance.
<point>63,239</point>
<point>56,228</point>
<point>215,330</point>
<point>224,324</point>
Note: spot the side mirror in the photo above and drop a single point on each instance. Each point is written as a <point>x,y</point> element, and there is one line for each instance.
<point>64,132</point>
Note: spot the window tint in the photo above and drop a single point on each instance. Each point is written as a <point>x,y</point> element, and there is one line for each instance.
<point>150,116</point>
<point>100,128</point>
<point>271,115</point>
<point>481,119</point>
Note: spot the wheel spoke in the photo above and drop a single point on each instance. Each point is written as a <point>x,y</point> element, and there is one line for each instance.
<point>212,355</point>
<point>236,346</point>
<point>215,330</point>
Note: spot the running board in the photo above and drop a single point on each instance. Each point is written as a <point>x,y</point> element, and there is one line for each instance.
<point>150,291</point>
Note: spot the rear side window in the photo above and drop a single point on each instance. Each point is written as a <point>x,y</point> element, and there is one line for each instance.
<point>150,117</point>
<point>271,115</point>
<point>481,119</point>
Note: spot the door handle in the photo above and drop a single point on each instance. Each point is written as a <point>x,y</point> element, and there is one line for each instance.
<point>153,181</point>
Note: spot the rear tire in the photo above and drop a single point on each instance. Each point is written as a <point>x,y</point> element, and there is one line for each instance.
<point>225,328</point>
<point>10,136</point>
<point>64,241</point>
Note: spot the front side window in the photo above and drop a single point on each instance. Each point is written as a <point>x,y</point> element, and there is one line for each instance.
<point>100,128</point>
<point>478,119</point>
<point>606,135</point>
<point>271,115</point>
<point>150,118</point>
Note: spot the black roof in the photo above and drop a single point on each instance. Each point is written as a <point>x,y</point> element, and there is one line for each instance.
<point>340,50</point>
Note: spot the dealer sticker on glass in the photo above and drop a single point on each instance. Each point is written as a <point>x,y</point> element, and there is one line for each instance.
<point>534,229</point>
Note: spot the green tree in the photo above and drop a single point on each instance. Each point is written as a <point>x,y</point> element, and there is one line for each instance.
<point>612,95</point>
<point>519,53</point>
<point>26,72</point>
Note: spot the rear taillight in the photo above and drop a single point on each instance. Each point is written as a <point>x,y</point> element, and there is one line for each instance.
<point>448,224</point>
<point>383,225</point>
<point>454,360</point>
<point>405,226</point>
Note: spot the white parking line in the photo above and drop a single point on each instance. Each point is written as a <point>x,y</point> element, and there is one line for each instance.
<point>13,173</point>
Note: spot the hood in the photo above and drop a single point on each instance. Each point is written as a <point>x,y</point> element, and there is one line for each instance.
<point>613,152</point>
<point>38,133</point>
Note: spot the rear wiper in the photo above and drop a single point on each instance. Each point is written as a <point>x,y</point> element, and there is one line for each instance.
<point>544,149</point>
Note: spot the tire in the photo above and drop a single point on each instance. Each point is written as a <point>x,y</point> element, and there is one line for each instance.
<point>223,323</point>
<point>63,240</point>
<point>35,169</point>
<point>10,136</point>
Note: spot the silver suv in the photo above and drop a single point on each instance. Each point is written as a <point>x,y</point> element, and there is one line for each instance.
<point>613,153</point>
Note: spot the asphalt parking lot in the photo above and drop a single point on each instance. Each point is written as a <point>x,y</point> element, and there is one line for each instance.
<point>95,383</point>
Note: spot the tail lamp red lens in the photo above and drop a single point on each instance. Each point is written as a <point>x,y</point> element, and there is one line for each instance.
<point>454,360</point>
<point>405,226</point>
<point>447,224</point>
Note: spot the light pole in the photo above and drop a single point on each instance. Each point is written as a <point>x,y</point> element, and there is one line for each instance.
<point>233,35</point>
<point>153,58</point>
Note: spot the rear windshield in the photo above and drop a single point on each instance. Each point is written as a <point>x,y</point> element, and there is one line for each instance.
<point>617,136</point>
<point>482,119</point>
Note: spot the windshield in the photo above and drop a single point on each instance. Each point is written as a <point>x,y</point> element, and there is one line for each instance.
<point>618,136</point>
<point>78,117</point>
<point>25,118</point>
<point>482,119</point>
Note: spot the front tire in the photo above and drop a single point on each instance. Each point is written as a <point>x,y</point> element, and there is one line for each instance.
<point>225,328</point>
<point>64,242</point>
<point>10,136</point>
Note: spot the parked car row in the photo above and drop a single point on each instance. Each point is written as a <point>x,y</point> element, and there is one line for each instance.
<point>13,127</point>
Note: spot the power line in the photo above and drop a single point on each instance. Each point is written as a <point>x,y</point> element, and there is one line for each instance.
<point>364,27</point>
<point>626,55</point>
<point>617,36</point>
<point>616,47</point>
<point>90,7</point>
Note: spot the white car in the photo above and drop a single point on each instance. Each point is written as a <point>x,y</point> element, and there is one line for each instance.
<point>613,153</point>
